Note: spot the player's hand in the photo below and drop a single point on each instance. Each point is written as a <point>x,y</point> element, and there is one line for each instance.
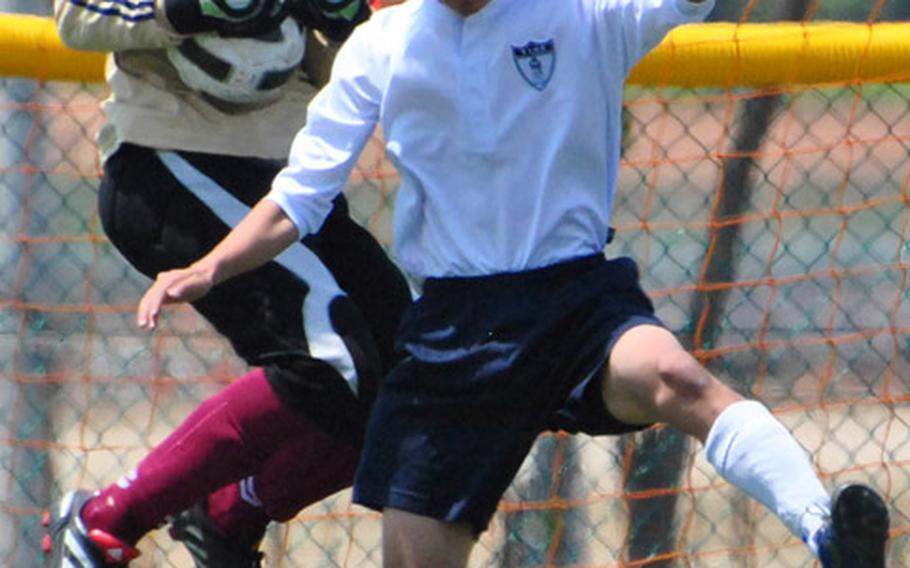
<point>243,18</point>
<point>171,287</point>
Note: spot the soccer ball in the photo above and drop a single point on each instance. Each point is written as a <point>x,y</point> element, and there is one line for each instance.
<point>240,70</point>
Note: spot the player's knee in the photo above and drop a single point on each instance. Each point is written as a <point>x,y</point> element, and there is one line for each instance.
<point>682,375</point>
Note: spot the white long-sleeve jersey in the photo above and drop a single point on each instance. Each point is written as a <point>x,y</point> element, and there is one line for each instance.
<point>149,105</point>
<point>504,126</point>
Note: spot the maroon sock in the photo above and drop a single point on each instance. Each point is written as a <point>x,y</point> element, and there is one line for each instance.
<point>240,519</point>
<point>227,438</point>
<point>302,472</point>
<point>298,474</point>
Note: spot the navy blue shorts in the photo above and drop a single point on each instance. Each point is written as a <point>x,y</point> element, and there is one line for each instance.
<point>490,363</point>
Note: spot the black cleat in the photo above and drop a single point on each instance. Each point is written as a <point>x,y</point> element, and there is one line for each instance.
<point>857,530</point>
<point>208,545</point>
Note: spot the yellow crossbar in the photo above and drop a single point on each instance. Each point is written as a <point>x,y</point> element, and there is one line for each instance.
<point>701,55</point>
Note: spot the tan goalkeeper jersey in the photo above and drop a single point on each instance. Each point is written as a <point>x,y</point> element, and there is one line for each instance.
<point>149,105</point>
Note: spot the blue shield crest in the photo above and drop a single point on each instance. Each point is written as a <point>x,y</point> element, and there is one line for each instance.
<point>535,61</point>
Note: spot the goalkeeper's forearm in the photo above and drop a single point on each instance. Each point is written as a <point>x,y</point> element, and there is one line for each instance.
<point>261,236</point>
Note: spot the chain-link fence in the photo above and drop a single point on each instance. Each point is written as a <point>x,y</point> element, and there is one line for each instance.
<point>772,232</point>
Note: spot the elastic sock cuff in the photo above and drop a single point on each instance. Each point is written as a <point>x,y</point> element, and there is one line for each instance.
<point>740,414</point>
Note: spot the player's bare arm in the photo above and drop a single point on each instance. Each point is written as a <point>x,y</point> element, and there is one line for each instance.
<point>262,235</point>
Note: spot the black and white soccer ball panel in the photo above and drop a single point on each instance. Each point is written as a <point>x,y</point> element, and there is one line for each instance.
<point>240,70</point>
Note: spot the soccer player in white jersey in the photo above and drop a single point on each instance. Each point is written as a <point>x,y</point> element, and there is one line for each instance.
<point>503,119</point>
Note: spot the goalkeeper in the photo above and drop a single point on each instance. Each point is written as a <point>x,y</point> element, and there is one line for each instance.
<point>180,166</point>
<point>503,118</point>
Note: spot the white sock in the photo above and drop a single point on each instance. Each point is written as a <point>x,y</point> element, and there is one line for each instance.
<point>752,450</point>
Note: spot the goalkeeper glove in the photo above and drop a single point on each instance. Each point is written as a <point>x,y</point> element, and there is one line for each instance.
<point>244,18</point>
<point>336,19</point>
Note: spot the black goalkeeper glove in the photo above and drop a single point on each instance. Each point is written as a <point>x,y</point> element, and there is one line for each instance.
<point>244,18</point>
<point>334,18</point>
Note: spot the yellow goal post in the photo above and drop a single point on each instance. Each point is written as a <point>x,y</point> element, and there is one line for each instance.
<point>715,54</point>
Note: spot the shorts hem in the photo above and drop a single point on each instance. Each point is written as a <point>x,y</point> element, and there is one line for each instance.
<point>633,321</point>
<point>414,503</point>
